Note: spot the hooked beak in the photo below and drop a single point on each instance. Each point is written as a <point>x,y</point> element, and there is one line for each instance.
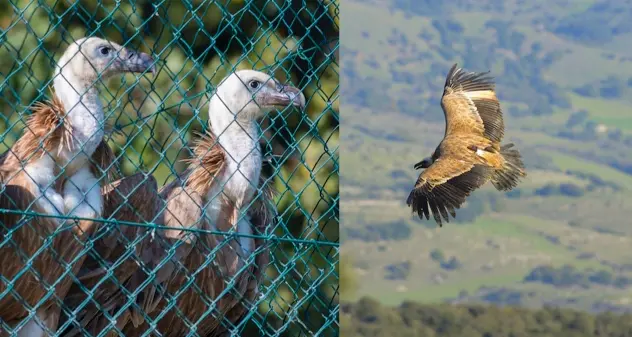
<point>424,164</point>
<point>136,62</point>
<point>284,97</point>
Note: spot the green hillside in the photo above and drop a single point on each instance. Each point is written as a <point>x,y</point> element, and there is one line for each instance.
<point>367,318</point>
<point>564,77</point>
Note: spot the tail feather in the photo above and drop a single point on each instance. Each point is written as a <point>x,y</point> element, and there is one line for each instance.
<point>506,178</point>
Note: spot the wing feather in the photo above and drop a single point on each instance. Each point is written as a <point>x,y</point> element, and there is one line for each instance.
<point>183,209</point>
<point>262,218</point>
<point>443,187</point>
<point>130,199</point>
<point>470,104</point>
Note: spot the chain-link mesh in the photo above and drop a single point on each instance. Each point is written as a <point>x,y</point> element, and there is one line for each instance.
<point>88,242</point>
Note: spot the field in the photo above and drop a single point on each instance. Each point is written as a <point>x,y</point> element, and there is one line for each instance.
<point>566,92</point>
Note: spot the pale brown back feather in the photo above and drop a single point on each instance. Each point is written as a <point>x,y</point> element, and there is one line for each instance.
<point>48,132</point>
<point>470,105</point>
<point>206,164</point>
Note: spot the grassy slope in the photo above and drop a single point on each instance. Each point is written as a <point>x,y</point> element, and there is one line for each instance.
<point>522,227</point>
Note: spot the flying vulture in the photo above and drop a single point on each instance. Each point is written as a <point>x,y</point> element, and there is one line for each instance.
<point>189,278</point>
<point>58,160</point>
<point>470,153</point>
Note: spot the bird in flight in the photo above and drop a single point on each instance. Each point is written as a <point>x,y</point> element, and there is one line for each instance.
<point>470,153</point>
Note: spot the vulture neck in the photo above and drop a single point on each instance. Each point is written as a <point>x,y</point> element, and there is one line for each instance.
<point>240,141</point>
<point>83,111</point>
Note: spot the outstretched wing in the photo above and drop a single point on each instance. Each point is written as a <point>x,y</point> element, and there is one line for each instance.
<point>470,105</point>
<point>443,187</point>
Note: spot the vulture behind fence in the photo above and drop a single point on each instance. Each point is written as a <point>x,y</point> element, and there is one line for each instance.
<point>55,169</point>
<point>470,153</point>
<point>186,278</point>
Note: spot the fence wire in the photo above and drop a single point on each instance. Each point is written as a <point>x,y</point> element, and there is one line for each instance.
<point>126,206</point>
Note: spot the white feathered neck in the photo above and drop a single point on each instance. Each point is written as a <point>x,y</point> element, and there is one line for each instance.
<point>83,107</point>
<point>239,138</point>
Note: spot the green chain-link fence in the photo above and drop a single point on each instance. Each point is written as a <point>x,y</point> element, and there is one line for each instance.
<point>155,121</point>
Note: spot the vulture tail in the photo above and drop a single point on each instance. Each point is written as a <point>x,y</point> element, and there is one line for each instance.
<point>509,175</point>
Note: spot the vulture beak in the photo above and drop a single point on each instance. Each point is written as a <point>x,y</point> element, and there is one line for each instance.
<point>284,96</point>
<point>135,62</point>
<point>424,164</point>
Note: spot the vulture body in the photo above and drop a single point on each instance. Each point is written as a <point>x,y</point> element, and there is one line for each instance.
<point>470,153</point>
<point>191,279</point>
<point>48,171</point>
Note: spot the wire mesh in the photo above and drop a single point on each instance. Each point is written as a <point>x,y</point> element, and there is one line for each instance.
<point>109,263</point>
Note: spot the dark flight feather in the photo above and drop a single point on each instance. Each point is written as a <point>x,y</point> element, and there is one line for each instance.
<point>473,85</point>
<point>445,198</point>
<point>506,178</point>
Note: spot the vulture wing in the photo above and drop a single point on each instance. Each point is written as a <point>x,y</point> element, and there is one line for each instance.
<point>23,290</point>
<point>443,187</point>
<point>130,199</point>
<point>142,255</point>
<point>470,105</point>
<point>183,209</point>
<point>262,217</point>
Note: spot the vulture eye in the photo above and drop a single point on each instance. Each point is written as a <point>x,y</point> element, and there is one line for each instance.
<point>104,50</point>
<point>254,84</point>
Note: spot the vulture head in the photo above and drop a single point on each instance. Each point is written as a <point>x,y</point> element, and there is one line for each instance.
<point>250,95</point>
<point>88,58</point>
<point>424,164</point>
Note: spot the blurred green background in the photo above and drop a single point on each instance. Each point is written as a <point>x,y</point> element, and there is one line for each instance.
<point>198,42</point>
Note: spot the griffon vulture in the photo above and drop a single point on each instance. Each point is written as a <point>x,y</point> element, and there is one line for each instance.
<point>470,153</point>
<point>195,279</point>
<point>54,169</point>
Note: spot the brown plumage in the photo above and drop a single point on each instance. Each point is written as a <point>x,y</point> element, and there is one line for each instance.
<point>470,153</point>
<point>46,132</point>
<point>132,199</point>
<point>222,190</point>
<point>183,201</point>
<point>52,170</point>
<point>29,234</point>
<point>227,265</point>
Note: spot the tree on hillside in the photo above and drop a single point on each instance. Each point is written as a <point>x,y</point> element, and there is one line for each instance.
<point>369,318</point>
